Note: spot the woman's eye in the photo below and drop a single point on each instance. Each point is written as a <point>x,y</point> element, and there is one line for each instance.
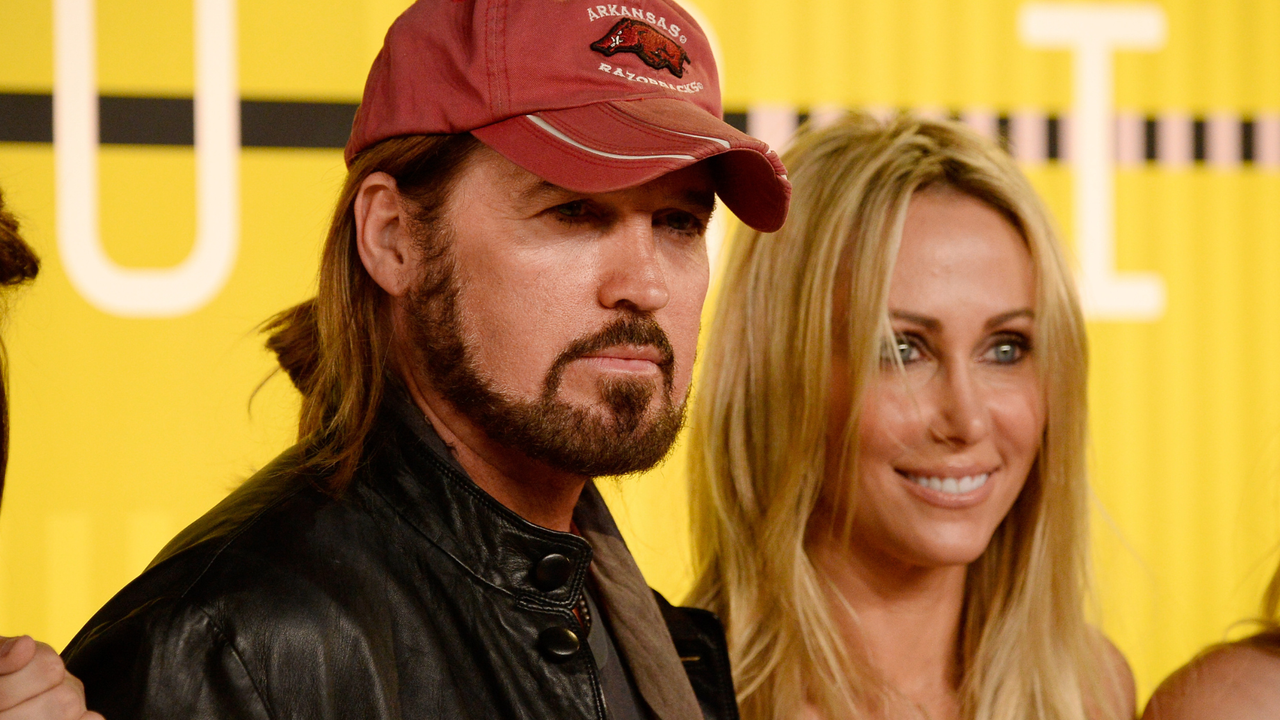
<point>906,350</point>
<point>1007,352</point>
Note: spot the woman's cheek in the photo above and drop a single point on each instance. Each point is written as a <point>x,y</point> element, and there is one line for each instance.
<point>1020,419</point>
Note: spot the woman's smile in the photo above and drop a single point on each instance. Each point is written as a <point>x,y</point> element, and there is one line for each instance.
<point>949,491</point>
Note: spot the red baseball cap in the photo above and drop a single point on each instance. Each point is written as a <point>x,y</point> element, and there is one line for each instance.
<point>593,98</point>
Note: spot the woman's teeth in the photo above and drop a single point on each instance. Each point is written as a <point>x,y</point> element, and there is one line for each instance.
<point>951,486</point>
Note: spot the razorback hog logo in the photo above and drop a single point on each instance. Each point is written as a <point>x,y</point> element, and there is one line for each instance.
<point>656,49</point>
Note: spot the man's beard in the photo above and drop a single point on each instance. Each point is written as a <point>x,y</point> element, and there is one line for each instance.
<point>611,438</point>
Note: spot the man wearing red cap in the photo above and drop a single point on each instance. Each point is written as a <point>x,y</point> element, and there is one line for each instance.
<point>508,307</point>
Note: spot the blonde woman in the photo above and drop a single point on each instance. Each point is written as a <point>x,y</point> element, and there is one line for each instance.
<point>887,460</point>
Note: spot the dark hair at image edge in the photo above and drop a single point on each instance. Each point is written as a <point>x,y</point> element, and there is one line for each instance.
<point>334,346</point>
<point>18,264</point>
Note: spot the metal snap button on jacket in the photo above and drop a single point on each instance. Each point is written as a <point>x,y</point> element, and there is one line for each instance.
<point>552,572</point>
<point>558,644</point>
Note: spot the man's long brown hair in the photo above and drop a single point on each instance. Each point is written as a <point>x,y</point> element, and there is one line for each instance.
<point>18,264</point>
<point>334,347</point>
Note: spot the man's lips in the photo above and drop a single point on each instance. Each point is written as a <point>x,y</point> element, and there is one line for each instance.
<point>633,344</point>
<point>641,358</point>
<point>647,353</point>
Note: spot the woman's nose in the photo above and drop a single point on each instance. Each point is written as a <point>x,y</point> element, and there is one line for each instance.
<point>961,413</point>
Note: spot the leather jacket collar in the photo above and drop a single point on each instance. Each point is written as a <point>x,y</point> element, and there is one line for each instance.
<point>503,549</point>
<point>493,543</point>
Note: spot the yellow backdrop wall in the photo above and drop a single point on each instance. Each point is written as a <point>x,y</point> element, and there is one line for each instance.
<point>127,428</point>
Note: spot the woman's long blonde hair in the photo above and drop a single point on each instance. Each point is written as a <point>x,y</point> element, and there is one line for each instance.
<point>760,433</point>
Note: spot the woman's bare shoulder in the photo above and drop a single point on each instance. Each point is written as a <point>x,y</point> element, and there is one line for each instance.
<point>1117,677</point>
<point>1232,682</point>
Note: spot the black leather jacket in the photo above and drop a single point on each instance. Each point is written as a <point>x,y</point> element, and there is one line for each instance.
<point>411,595</point>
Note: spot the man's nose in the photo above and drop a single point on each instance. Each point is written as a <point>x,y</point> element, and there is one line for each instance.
<point>632,270</point>
<point>961,412</point>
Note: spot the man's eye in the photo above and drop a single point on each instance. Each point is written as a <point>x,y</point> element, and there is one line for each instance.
<point>572,210</point>
<point>683,222</point>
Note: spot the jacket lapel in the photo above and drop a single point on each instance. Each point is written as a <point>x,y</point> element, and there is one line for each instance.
<point>633,614</point>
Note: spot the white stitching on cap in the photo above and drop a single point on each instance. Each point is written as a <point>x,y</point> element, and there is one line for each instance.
<point>700,137</point>
<point>559,135</point>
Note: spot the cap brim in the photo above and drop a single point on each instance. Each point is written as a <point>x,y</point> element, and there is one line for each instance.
<point>618,144</point>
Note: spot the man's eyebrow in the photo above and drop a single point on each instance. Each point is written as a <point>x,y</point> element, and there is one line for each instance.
<point>924,321</point>
<point>1003,318</point>
<point>541,189</point>
<point>703,200</point>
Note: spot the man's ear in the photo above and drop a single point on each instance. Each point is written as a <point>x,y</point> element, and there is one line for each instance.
<point>383,237</point>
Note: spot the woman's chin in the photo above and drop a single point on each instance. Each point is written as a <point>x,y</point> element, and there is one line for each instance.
<point>946,549</point>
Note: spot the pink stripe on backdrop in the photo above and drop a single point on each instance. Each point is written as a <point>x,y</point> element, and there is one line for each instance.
<point>1174,141</point>
<point>1029,137</point>
<point>774,124</point>
<point>1130,141</point>
<point>821,116</point>
<point>982,120</point>
<point>931,112</point>
<point>1222,140</point>
<point>1266,141</point>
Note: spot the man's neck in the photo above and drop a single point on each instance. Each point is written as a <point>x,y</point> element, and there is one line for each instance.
<point>527,487</point>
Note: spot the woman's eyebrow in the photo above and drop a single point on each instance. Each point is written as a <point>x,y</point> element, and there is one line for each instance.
<point>1003,318</point>
<point>924,321</point>
<point>930,323</point>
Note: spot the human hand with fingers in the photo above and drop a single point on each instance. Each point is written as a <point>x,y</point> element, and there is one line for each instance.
<point>35,685</point>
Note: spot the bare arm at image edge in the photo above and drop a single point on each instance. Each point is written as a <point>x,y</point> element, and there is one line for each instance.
<point>1234,682</point>
<point>34,684</point>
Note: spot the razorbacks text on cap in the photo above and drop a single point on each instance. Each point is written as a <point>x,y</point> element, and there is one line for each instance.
<point>652,46</point>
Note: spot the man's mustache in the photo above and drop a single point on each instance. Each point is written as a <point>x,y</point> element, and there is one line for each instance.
<point>633,329</point>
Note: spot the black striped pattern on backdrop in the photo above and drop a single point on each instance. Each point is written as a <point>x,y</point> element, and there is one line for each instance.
<point>28,118</point>
<point>170,121</point>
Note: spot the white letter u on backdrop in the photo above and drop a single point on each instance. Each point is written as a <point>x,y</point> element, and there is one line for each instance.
<point>147,292</point>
